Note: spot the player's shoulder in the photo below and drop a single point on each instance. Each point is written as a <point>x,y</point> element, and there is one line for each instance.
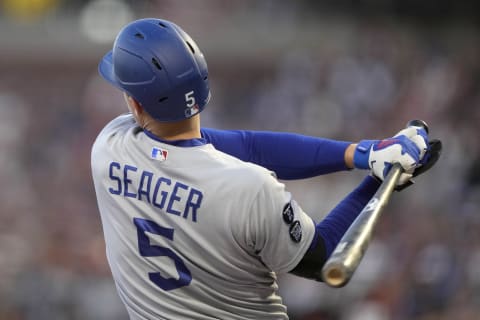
<point>116,127</point>
<point>247,172</point>
<point>115,130</point>
<point>123,122</point>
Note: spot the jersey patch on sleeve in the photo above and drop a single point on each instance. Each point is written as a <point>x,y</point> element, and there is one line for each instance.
<point>295,228</point>
<point>296,231</point>
<point>288,213</point>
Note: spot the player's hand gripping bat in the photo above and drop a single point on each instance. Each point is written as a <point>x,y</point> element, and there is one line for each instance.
<point>346,257</point>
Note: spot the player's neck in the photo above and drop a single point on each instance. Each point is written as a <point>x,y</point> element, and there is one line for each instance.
<point>181,130</point>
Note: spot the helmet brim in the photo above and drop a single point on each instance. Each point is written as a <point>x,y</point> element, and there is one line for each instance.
<point>105,69</point>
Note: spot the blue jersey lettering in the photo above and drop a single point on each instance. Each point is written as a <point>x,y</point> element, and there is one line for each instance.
<point>127,181</point>
<point>141,189</point>
<point>115,178</point>
<point>193,202</point>
<point>163,194</point>
<point>174,197</point>
<point>171,197</point>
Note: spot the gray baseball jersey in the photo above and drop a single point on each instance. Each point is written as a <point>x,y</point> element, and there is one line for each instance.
<point>191,232</point>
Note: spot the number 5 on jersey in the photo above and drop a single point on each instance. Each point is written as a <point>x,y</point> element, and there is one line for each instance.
<point>148,250</point>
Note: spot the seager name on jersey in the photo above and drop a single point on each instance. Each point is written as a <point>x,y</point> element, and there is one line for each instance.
<point>171,196</point>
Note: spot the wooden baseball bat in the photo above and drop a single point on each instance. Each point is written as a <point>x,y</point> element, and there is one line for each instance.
<point>346,257</point>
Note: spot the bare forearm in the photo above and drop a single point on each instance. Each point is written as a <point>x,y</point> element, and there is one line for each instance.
<point>349,152</point>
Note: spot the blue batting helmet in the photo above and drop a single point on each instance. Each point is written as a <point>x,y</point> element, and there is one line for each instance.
<point>159,65</point>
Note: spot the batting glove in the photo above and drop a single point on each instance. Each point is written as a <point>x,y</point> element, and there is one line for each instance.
<point>431,157</point>
<point>380,155</point>
<point>419,136</point>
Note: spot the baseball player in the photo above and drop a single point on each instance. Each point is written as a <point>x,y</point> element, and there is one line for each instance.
<point>196,224</point>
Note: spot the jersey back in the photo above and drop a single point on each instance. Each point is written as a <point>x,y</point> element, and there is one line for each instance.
<point>191,232</point>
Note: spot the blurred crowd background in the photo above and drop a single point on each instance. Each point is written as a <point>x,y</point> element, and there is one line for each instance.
<point>339,69</point>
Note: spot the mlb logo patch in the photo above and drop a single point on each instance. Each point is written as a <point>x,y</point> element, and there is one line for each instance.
<point>159,154</point>
<point>191,111</point>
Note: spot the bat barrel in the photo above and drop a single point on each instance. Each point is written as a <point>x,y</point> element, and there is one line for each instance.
<point>346,257</point>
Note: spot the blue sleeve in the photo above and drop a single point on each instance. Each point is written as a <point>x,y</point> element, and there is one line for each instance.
<point>289,155</point>
<point>332,228</point>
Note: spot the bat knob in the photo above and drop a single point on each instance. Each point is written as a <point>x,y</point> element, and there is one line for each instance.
<point>418,123</point>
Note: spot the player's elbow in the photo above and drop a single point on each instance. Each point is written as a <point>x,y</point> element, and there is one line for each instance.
<point>311,265</point>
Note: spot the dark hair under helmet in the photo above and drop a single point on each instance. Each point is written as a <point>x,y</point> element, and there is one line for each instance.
<point>159,65</point>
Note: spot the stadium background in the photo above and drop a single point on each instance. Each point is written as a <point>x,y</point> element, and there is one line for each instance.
<point>339,69</point>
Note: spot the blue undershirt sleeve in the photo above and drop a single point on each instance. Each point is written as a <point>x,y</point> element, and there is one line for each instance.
<point>332,228</point>
<point>289,155</point>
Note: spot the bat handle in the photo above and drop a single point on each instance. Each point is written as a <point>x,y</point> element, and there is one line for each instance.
<point>418,123</point>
